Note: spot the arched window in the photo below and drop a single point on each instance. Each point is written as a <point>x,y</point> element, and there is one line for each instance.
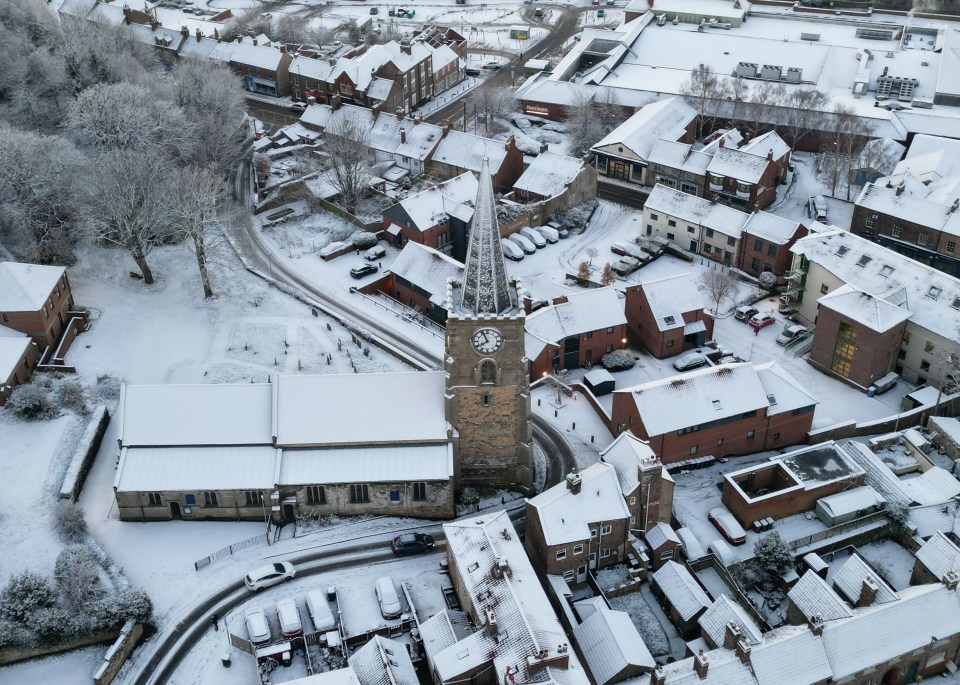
<point>488,371</point>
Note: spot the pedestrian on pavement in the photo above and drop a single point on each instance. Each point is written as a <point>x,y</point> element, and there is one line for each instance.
<point>756,330</point>
<point>215,619</point>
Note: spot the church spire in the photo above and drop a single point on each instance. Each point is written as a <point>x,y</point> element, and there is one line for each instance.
<point>485,278</point>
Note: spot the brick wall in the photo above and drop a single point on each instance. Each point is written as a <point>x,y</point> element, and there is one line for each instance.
<point>544,556</point>
<point>21,372</point>
<point>45,324</point>
<point>875,354</point>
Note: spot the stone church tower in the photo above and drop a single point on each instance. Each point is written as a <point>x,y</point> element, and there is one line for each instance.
<point>488,387</point>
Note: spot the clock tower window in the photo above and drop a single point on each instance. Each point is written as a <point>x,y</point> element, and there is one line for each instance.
<point>488,372</point>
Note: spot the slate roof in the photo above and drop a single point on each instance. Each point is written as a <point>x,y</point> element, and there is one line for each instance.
<point>670,298</point>
<point>590,310</point>
<point>681,590</point>
<point>26,287</point>
<point>549,174</point>
<point>766,142</point>
<point>675,155</point>
<point>611,644</point>
<point>813,597</point>
<point>791,655</point>
<point>454,197</point>
<point>383,661</point>
<point>913,204</point>
<point>310,67</point>
<point>770,227</point>
<point>724,668</point>
<point>442,630</point>
<point>725,611</point>
<point>13,346</point>
<point>696,210</point>
<point>738,164</point>
<point>857,305</point>
<point>661,534</point>
<point>420,139</point>
<point>850,577</point>
<point>667,118</point>
<point>467,151</point>
<point>939,555</point>
<point>428,269</point>
<point>625,454</point>
<point>784,392</point>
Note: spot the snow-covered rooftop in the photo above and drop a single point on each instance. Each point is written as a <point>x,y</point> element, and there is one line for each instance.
<point>627,454</point>
<point>428,269</point>
<point>940,555</point>
<point>814,597</point>
<point>666,119</point>
<point>431,206</point>
<point>849,580</point>
<point>791,655</point>
<point>670,298</point>
<point>383,661</point>
<point>851,501</point>
<point>386,464</point>
<point>738,164</point>
<point>770,227</point>
<point>26,287</point>
<point>13,345</point>
<point>565,516</point>
<point>591,310</point>
<point>915,202</point>
<point>681,590</point>
<point>783,391</point>
<point>725,611</point>
<point>467,151</point>
<point>696,210</point>
<point>932,486</point>
<point>443,629</point>
<point>382,408</point>
<point>404,137</point>
<point>857,305</point>
<point>549,174</point>
<point>310,67</point>
<point>661,534</point>
<point>155,469</point>
<point>610,643</point>
<point>932,297</point>
<point>259,56</point>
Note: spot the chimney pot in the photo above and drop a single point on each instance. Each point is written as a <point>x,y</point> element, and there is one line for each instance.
<point>743,650</point>
<point>815,623</point>
<point>951,580</point>
<point>199,34</point>
<point>770,154</point>
<point>184,31</point>
<point>900,188</point>
<point>731,635</point>
<point>658,676</point>
<point>722,141</point>
<point>700,664</point>
<point>868,592</point>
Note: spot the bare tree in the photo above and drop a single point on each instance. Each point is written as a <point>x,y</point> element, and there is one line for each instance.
<point>844,137</point>
<point>719,285</point>
<point>606,276</point>
<point>802,111</point>
<point>737,91</point>
<point>199,193</point>
<point>347,142</point>
<point>609,110</point>
<point>583,125</point>
<point>492,101</point>
<point>592,253</point>
<point>129,203</point>
<point>760,106</point>
<point>702,90</point>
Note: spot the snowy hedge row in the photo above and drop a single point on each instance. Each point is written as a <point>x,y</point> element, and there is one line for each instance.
<point>83,456</point>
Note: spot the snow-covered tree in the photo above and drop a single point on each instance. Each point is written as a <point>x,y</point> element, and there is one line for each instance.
<point>25,594</point>
<point>69,521</point>
<point>124,605</point>
<point>606,276</point>
<point>583,272</point>
<point>199,194</point>
<point>772,554</point>
<point>347,143</point>
<point>77,572</point>
<point>618,360</point>
<point>719,285</point>
<point>30,401</point>
<point>585,128</point>
<point>492,101</point>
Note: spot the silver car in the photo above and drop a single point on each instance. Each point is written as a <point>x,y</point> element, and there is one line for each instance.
<point>690,361</point>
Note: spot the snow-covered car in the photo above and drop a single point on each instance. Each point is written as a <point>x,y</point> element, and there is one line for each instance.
<point>298,107</point>
<point>374,253</point>
<point>690,361</point>
<point>728,526</point>
<point>387,598</point>
<point>561,231</point>
<point>269,575</point>
<point>761,320</point>
<point>721,550</point>
<point>744,312</point>
<point>319,611</point>
<point>551,235</point>
<point>412,543</point>
<point>289,617</point>
<point>533,236</point>
<point>792,333</point>
<point>364,270</point>
<point>522,242</point>
<point>511,250</point>
<point>692,549</point>
<point>817,208</point>
<point>257,627</point>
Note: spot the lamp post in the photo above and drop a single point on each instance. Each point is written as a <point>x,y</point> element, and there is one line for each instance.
<point>266,521</point>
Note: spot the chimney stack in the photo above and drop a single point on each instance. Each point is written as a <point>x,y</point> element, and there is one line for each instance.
<point>444,130</point>
<point>658,676</point>
<point>418,118</point>
<point>951,580</point>
<point>900,188</point>
<point>868,592</point>
<point>403,136</point>
<point>216,35</point>
<point>770,154</point>
<point>573,482</point>
<point>700,664</point>
<point>199,34</point>
<point>544,146</point>
<point>335,101</point>
<point>491,621</point>
<point>954,206</point>
<point>399,112</point>
<point>721,142</point>
<point>377,106</point>
<point>743,650</point>
<point>815,623</point>
<point>731,635</point>
<point>184,31</point>
<point>126,15</point>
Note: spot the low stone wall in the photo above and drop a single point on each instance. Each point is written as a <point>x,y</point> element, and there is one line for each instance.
<point>116,656</point>
<point>11,655</point>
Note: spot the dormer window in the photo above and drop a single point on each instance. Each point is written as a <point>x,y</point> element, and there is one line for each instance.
<point>886,271</point>
<point>864,260</point>
<point>842,250</point>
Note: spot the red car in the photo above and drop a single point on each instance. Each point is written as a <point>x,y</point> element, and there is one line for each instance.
<point>728,526</point>
<point>761,320</point>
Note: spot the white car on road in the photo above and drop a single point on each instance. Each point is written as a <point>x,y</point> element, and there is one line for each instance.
<point>269,575</point>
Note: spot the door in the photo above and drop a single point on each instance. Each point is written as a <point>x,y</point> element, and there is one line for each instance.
<point>581,574</point>
<point>619,170</point>
<point>593,560</point>
<point>693,246</point>
<point>175,510</point>
<point>288,513</point>
<point>912,672</point>
<point>571,352</point>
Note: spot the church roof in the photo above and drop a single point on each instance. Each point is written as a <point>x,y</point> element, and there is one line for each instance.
<point>485,281</point>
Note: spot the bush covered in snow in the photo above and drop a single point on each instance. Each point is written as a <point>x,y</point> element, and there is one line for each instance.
<point>77,572</point>
<point>122,606</point>
<point>768,280</point>
<point>576,217</point>
<point>69,522</point>
<point>31,401</point>
<point>363,240</point>
<point>24,595</point>
<point>618,360</point>
<point>70,394</point>
<point>772,555</point>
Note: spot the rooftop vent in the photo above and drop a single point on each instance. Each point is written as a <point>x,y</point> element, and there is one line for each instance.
<point>934,292</point>
<point>886,270</point>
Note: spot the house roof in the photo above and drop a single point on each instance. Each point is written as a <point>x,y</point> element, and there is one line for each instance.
<point>666,118</point>
<point>765,143</point>
<point>738,164</point>
<point>932,486</point>
<point>454,197</point>
<point>549,174</point>
<point>565,516</point>
<point>770,227</point>
<point>525,620</point>
<point>875,313</point>
<point>583,312</point>
<point>379,88</point>
<point>939,555</point>
<point>724,668</point>
<point>259,56</point>
<point>324,116</point>
<point>443,629</point>
<point>467,151</point>
<point>442,56</point>
<point>722,613</point>
<point>928,294</point>
<point>915,203</point>
<point>311,67</point>
<point>428,269</point>
<point>696,210</point>
<point>851,501</point>
<point>13,346</point>
<point>681,590</point>
<point>670,298</point>
<point>813,597</point>
<point>850,577</point>
<point>784,392</point>
<point>610,644</point>
<point>383,661</point>
<point>417,141</point>
<point>661,534</point>
<point>26,287</point>
<point>791,655</point>
<point>387,408</point>
<point>676,155</point>
<point>627,454</point>
<point>155,469</point>
<point>390,463</point>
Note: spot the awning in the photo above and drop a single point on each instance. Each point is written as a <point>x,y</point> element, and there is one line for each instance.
<point>393,229</point>
<point>694,327</point>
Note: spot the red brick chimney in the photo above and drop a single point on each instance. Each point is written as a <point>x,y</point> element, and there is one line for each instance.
<point>544,146</point>
<point>377,106</point>
<point>722,141</point>
<point>658,676</point>
<point>185,32</point>
<point>335,101</point>
<point>417,119</point>
<point>574,481</point>
<point>405,47</point>
<point>126,16</point>
<point>199,34</point>
<point>700,664</point>
<point>399,112</point>
<point>403,136</point>
<point>900,188</point>
<point>444,130</point>
<point>815,623</point>
<point>770,154</point>
<point>731,635</point>
<point>868,590</point>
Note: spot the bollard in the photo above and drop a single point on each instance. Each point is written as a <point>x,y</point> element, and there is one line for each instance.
<point>538,401</point>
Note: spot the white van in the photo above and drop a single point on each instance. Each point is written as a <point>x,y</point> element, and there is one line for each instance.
<point>289,618</point>
<point>511,250</point>
<point>692,549</point>
<point>374,253</point>
<point>549,234</point>
<point>523,243</point>
<point>387,597</point>
<point>533,236</point>
<point>721,550</point>
<point>319,611</point>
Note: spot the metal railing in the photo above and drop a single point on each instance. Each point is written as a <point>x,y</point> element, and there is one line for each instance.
<point>837,530</point>
<point>229,551</point>
<point>404,312</point>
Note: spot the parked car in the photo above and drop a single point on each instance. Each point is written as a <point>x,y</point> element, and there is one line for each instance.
<point>533,236</point>
<point>364,270</point>
<point>412,543</point>
<point>522,242</point>
<point>374,253</point>
<point>626,266</point>
<point>269,575</point>
<point>561,231</point>
<point>289,617</point>
<point>387,598</point>
<point>257,627</point>
<point>472,71</point>
<point>511,250</point>
<point>493,65</point>
<point>744,312</point>
<point>692,549</point>
<point>298,107</point>
<point>791,333</point>
<point>721,550</point>
<point>620,249</point>
<point>551,235</point>
<point>724,521</point>
<point>761,320</point>
<point>818,208</point>
<point>690,361</point>
<point>374,10</point>
<point>319,611</point>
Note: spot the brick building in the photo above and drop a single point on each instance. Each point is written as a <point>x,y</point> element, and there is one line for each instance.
<point>36,300</point>
<point>264,70</point>
<point>578,525</point>
<point>459,152</point>
<point>727,410</point>
<point>937,557</point>
<point>765,244</point>
<point>577,330</point>
<point>646,486</point>
<point>550,175</point>
<point>437,217</point>
<point>667,316</point>
<point>681,597</point>
<point>18,357</point>
<point>418,278</point>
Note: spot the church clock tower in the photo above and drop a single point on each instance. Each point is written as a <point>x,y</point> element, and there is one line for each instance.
<point>488,387</point>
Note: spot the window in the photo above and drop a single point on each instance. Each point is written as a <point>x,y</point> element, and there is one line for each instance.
<point>610,330</point>
<point>589,334</point>
<point>251,497</point>
<point>671,223</point>
<point>604,553</point>
<point>316,494</point>
<point>694,449</point>
<point>606,530</point>
<point>951,246</point>
<point>666,554</point>
<point>688,429</point>
<point>719,441</point>
<point>486,400</point>
<point>934,292</point>
<point>608,348</point>
<point>419,492</point>
<point>189,499</point>
<point>707,248</point>
<point>776,436</point>
<point>578,549</point>
<point>568,576</point>
<point>669,343</point>
<point>45,314</point>
<point>690,229</point>
<point>771,250</point>
<point>956,303</point>
<point>844,350</point>
<point>210,499</point>
<point>824,289</point>
<point>443,239</point>
<point>593,533</point>
<point>709,232</point>
<point>758,245</point>
<point>902,354</point>
<point>921,380</point>
<point>906,337</point>
<point>153,499</point>
<point>895,231</point>
<point>870,221</point>
<point>653,217</point>
<point>731,241</point>
<point>928,347</point>
<point>561,555</point>
<point>755,264</point>
<point>922,238</point>
<point>886,270</point>
<point>750,434</point>
<point>924,365</point>
<point>359,493</point>
<point>488,372</point>
<point>669,236</point>
<point>633,500</point>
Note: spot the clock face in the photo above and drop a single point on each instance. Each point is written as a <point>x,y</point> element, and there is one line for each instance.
<point>487,340</point>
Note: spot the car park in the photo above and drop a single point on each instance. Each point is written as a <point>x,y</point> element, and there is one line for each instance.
<point>761,320</point>
<point>364,270</point>
<point>626,266</point>
<point>319,611</point>
<point>289,617</point>
<point>269,575</point>
<point>690,361</point>
<point>549,234</point>
<point>374,253</point>
<point>511,250</point>
<point>790,334</point>
<point>620,249</point>
<point>257,627</point>
<point>387,598</point>
<point>692,549</point>
<point>412,543</point>
<point>725,522</point>
<point>744,312</point>
<point>522,242</point>
<point>533,236</point>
